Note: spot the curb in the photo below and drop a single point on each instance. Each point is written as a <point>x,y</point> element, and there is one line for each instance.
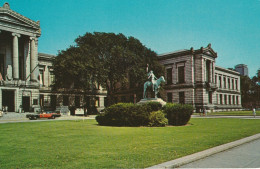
<point>197,156</point>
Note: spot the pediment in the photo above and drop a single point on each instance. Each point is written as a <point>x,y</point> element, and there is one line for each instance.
<point>13,19</point>
<point>209,51</point>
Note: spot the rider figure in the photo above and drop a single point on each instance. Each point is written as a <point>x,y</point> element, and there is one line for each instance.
<point>153,78</point>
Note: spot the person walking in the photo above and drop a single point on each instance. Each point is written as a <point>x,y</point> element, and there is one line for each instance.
<point>254,112</point>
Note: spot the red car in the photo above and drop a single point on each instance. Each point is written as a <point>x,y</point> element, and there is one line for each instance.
<point>48,114</point>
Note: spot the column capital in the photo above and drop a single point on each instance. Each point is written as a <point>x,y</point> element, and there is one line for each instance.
<point>33,38</point>
<point>16,34</point>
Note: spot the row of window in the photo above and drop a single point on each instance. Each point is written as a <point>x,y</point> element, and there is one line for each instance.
<point>226,82</point>
<point>227,99</point>
<point>181,97</point>
<point>180,75</point>
<point>51,101</point>
<point>221,98</point>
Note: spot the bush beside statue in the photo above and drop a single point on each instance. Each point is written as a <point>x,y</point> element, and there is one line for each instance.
<point>149,114</point>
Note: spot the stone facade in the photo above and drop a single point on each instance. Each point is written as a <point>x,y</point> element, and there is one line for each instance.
<point>19,85</point>
<point>193,78</point>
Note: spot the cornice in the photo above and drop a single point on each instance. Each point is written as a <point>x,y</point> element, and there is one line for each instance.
<point>227,70</point>
<point>35,25</point>
<point>205,51</point>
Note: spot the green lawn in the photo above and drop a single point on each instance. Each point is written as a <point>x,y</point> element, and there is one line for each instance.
<point>84,144</point>
<point>236,113</point>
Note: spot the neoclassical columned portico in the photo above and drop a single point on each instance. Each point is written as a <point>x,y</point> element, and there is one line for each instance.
<point>19,85</point>
<point>15,57</point>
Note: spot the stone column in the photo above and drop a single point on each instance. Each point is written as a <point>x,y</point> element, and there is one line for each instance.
<point>213,72</point>
<point>15,56</point>
<point>33,59</point>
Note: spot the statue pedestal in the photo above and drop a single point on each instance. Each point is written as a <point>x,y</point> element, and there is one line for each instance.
<point>143,101</point>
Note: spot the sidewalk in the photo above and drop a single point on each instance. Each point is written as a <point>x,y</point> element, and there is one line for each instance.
<point>223,116</point>
<point>181,162</point>
<point>244,156</point>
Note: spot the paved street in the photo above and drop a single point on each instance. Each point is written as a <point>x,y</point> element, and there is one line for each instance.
<point>244,156</point>
<point>12,117</point>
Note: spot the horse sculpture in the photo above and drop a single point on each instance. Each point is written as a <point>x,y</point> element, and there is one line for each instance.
<point>155,86</point>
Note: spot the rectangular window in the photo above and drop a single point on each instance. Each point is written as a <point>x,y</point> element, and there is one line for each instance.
<point>220,82</point>
<point>65,100</point>
<point>217,98</point>
<point>228,83</point>
<point>225,99</point>
<point>169,97</point>
<point>52,78</point>
<point>181,97</point>
<point>229,98</point>
<point>233,100</point>
<point>210,97</point>
<point>208,71</point>
<point>47,100</point>
<point>224,81</point>
<point>35,101</point>
<point>181,75</point>
<point>237,100</point>
<point>53,101</point>
<point>220,99</point>
<point>169,76</point>
<point>233,85</point>
<point>236,85</point>
<point>77,101</point>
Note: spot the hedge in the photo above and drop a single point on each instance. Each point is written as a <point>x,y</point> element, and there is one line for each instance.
<point>129,114</point>
<point>178,114</point>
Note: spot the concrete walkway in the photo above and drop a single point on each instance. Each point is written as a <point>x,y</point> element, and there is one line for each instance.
<point>190,160</point>
<point>244,156</point>
<point>220,116</point>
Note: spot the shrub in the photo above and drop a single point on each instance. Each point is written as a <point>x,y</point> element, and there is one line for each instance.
<point>157,119</point>
<point>129,114</point>
<point>124,114</point>
<point>178,114</point>
<point>153,106</point>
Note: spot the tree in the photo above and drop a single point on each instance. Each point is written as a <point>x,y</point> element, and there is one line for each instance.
<point>106,59</point>
<point>250,91</point>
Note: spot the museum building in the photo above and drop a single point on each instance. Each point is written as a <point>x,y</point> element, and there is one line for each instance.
<point>192,77</point>
<point>26,76</point>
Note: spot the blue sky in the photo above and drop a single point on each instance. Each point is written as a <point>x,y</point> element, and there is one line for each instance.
<point>231,26</point>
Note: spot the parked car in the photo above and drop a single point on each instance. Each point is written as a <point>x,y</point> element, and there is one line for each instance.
<point>47,114</point>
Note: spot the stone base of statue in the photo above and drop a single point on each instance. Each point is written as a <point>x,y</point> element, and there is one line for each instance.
<point>143,101</point>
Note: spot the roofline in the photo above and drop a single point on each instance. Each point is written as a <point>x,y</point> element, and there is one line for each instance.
<point>44,56</point>
<point>227,70</point>
<point>7,11</point>
<point>188,52</point>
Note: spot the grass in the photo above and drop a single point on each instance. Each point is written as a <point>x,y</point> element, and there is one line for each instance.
<point>235,113</point>
<point>84,144</point>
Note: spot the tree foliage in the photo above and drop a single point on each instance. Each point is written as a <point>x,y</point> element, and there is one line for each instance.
<point>105,59</point>
<point>250,91</point>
